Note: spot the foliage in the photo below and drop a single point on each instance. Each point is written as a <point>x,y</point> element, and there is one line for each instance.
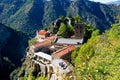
<point>30,77</point>
<point>78,19</point>
<point>14,74</point>
<point>74,54</point>
<point>62,30</point>
<point>99,57</point>
<point>31,41</point>
<point>88,32</point>
<point>65,30</point>
<point>7,59</point>
<point>96,33</point>
<point>30,15</point>
<point>115,31</point>
<point>41,78</point>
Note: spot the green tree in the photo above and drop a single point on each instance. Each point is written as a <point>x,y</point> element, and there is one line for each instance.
<point>62,30</point>
<point>75,54</point>
<point>31,41</point>
<point>95,33</point>
<point>70,30</point>
<point>114,32</point>
<point>78,19</point>
<point>88,32</point>
<point>65,30</point>
<point>99,57</point>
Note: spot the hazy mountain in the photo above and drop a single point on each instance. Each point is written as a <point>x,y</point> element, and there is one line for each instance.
<point>114,2</point>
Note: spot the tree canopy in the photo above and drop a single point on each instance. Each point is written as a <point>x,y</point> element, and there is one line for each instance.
<point>99,57</point>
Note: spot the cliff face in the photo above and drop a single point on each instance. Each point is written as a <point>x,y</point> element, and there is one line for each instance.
<point>4,35</point>
<point>6,67</point>
<point>23,15</point>
<point>30,15</point>
<point>12,48</point>
<point>28,68</point>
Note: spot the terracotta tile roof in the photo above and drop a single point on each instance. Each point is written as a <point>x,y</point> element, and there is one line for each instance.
<point>42,32</point>
<point>42,44</point>
<point>65,50</point>
<point>46,42</point>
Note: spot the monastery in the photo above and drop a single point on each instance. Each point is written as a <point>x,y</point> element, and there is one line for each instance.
<point>53,54</point>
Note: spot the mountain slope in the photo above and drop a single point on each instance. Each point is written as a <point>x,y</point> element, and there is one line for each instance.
<point>13,43</point>
<point>9,8</point>
<point>116,9</point>
<point>12,48</point>
<point>30,15</point>
<point>98,59</point>
<point>96,14</point>
<point>114,2</point>
<point>54,9</point>
<point>6,67</point>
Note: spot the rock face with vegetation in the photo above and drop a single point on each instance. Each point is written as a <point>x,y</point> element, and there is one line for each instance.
<point>30,15</point>
<point>116,10</point>
<point>28,71</point>
<point>12,48</point>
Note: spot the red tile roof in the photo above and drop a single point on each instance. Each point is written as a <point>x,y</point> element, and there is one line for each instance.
<point>42,32</point>
<point>42,44</point>
<point>46,42</point>
<point>65,50</point>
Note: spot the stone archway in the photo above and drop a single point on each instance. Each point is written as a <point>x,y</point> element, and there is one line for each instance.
<point>36,70</point>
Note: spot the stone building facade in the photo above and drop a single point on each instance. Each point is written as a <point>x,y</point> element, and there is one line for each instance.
<point>79,31</point>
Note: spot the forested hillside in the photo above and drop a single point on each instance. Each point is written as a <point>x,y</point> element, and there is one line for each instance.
<point>99,57</point>
<point>30,15</point>
<point>116,10</point>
